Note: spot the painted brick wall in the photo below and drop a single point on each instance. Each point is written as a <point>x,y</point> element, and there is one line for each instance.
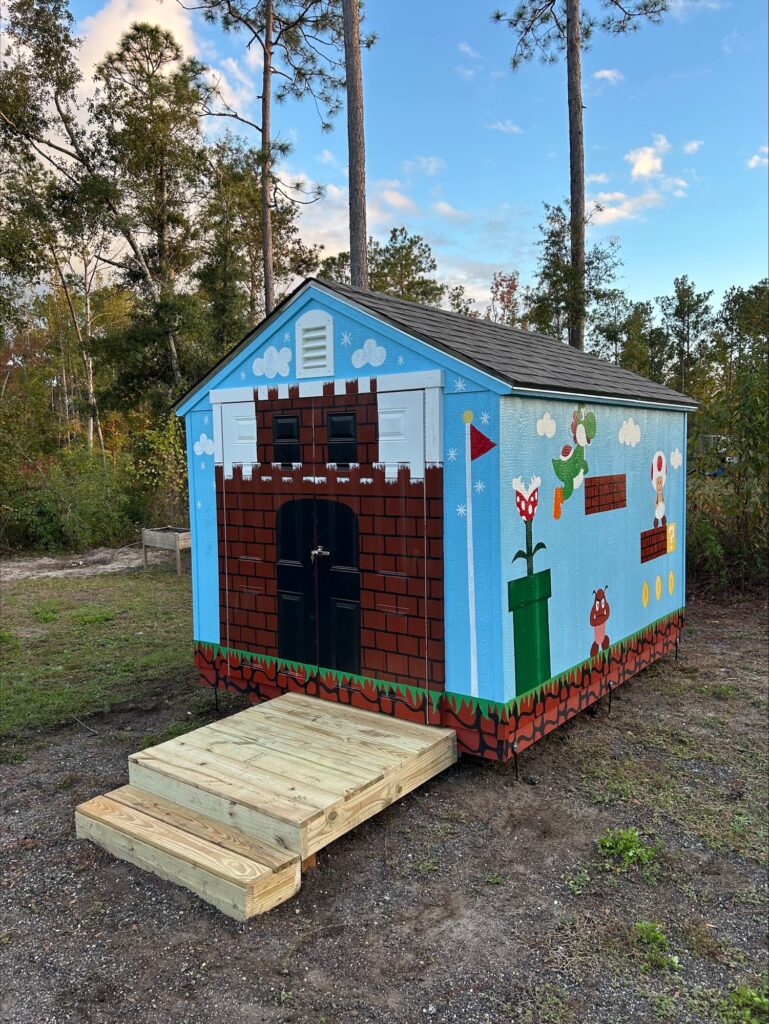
<point>604,493</point>
<point>654,543</point>
<point>400,531</point>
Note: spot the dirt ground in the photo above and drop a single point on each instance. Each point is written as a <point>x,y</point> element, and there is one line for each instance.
<point>92,563</point>
<point>478,898</point>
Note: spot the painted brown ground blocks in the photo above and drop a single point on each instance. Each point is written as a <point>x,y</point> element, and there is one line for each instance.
<point>604,493</point>
<point>400,532</point>
<point>654,543</point>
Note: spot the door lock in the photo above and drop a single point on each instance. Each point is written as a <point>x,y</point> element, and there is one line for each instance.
<point>318,552</point>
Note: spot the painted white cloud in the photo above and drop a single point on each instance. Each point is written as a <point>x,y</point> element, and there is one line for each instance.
<point>760,158</point>
<point>274,363</point>
<point>646,161</point>
<point>610,75</point>
<point>204,445</point>
<point>676,458</point>
<point>629,433</point>
<point>692,147</point>
<point>506,127</point>
<point>546,426</point>
<point>370,354</point>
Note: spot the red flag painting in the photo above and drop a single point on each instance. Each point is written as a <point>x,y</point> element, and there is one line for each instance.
<point>479,443</point>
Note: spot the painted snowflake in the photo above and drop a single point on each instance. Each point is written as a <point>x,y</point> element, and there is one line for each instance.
<point>462,511</point>
<point>401,360</point>
<point>346,339</point>
<point>452,455</point>
<point>480,486</point>
<point>460,384</point>
<point>485,418</point>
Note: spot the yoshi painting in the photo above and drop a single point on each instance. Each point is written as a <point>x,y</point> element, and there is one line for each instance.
<point>571,466</point>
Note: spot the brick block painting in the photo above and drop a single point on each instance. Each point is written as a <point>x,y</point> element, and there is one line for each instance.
<point>383,517</point>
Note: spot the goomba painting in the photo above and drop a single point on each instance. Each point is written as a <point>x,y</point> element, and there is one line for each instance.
<point>427,515</point>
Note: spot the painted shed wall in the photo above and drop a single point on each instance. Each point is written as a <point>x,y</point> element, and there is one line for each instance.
<point>590,550</point>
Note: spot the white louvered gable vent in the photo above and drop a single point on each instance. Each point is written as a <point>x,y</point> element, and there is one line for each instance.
<point>315,345</point>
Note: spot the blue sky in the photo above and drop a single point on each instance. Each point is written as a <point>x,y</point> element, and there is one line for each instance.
<point>464,152</point>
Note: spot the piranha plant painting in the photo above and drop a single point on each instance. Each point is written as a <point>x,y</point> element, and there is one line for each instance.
<point>527,598</point>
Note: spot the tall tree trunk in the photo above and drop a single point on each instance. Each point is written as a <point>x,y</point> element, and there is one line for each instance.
<point>356,144</point>
<point>267,259</point>
<point>93,408</point>
<point>577,176</point>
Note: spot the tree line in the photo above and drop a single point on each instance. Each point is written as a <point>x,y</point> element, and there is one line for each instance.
<point>135,250</point>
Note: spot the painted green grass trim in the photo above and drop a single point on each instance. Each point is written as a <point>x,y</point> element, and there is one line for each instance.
<point>456,701</point>
<point>388,686</point>
<point>503,708</point>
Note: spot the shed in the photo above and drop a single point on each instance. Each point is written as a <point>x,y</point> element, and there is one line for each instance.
<point>432,517</point>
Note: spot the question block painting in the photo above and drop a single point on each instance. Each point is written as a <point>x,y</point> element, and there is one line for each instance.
<point>431,517</point>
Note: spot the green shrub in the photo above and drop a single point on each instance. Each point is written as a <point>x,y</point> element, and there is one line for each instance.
<point>76,501</point>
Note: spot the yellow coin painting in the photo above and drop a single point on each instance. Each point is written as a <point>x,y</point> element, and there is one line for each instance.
<point>645,594</point>
<point>671,581</point>
<point>658,588</point>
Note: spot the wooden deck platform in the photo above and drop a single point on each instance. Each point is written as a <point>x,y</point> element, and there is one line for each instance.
<point>233,810</point>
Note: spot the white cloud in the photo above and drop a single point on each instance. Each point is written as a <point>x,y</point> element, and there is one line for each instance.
<point>619,206</point>
<point>398,200</point>
<point>370,354</point>
<point>759,159</point>
<point>546,426</point>
<point>682,9</point>
<point>629,433</point>
<point>101,31</point>
<point>610,75</point>
<point>430,165</point>
<point>273,363</point>
<point>676,458</point>
<point>646,161</point>
<point>468,51</point>
<point>506,127</point>
<point>204,445</point>
<point>467,73</point>
<point>447,210</point>
<point>692,147</point>
<point>599,179</point>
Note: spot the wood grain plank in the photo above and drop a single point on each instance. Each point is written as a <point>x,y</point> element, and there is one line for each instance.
<point>225,864</point>
<point>221,807</point>
<point>202,771</point>
<point>197,824</point>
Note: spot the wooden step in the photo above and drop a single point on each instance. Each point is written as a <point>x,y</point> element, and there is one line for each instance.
<point>240,874</point>
<point>296,772</point>
<point>235,809</point>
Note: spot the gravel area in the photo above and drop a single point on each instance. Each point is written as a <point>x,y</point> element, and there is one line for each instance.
<point>479,898</point>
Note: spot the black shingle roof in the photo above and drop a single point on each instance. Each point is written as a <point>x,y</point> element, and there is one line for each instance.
<point>522,359</point>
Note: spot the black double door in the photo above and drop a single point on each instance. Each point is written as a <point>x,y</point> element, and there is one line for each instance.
<point>318,580</point>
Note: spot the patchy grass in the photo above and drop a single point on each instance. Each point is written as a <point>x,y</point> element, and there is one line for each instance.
<point>73,647</point>
<point>623,848</point>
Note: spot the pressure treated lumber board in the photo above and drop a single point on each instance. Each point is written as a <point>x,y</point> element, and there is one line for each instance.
<point>238,885</point>
<point>233,810</point>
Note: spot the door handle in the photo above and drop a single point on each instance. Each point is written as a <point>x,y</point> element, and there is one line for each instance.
<point>318,552</point>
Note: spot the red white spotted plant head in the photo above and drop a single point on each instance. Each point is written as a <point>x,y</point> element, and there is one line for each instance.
<point>659,469</point>
<point>526,498</point>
